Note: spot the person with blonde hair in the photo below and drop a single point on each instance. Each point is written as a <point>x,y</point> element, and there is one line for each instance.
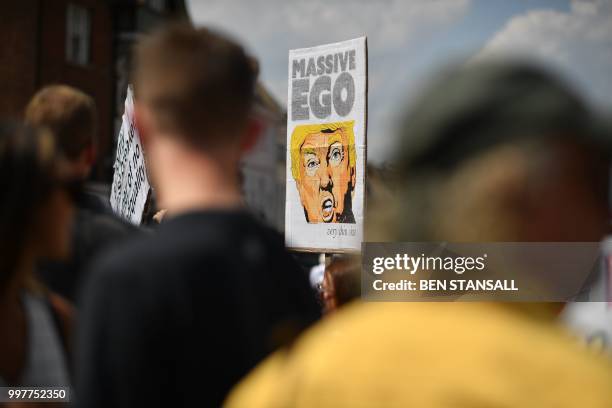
<point>491,152</point>
<point>69,115</point>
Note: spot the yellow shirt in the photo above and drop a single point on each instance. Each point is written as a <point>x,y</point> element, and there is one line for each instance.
<point>430,355</point>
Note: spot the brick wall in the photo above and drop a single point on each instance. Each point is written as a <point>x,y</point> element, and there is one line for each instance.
<point>18,55</point>
<point>33,55</point>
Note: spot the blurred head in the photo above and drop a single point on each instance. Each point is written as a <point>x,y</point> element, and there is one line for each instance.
<point>502,152</point>
<point>341,283</point>
<point>194,88</point>
<point>35,205</point>
<point>323,167</point>
<point>71,116</point>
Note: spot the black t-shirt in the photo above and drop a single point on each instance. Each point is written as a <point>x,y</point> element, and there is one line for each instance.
<point>178,317</point>
<point>95,229</point>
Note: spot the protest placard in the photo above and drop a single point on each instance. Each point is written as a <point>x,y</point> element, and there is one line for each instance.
<point>130,183</point>
<point>326,147</point>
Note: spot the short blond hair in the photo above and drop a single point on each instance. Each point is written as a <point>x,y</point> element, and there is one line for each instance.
<point>68,113</point>
<point>199,85</point>
<point>299,135</point>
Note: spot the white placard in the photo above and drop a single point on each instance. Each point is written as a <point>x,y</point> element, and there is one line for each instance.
<point>130,183</point>
<point>326,147</point>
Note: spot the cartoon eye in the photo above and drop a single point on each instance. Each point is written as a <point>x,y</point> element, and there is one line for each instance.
<point>312,164</point>
<point>335,154</point>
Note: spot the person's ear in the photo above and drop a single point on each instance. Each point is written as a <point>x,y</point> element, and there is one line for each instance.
<point>89,159</point>
<point>90,154</point>
<point>141,124</point>
<point>81,165</point>
<point>253,131</point>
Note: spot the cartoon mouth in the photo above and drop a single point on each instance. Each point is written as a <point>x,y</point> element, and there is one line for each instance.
<point>327,208</point>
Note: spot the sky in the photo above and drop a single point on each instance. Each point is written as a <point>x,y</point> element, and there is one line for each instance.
<point>410,40</point>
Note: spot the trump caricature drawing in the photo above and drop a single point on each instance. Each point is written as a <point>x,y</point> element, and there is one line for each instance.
<point>323,167</point>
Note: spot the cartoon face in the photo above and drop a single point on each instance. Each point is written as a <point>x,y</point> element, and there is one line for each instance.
<point>326,176</point>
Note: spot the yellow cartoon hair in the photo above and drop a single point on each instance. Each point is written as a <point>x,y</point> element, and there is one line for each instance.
<point>299,135</point>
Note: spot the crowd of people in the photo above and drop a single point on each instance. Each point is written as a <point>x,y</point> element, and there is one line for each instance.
<point>208,308</point>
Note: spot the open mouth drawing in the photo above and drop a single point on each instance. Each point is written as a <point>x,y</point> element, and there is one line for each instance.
<point>327,208</point>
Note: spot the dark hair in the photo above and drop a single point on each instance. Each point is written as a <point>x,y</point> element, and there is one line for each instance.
<point>27,176</point>
<point>198,84</point>
<point>69,113</point>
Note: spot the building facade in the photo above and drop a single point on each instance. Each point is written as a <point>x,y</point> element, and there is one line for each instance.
<point>263,169</point>
<point>87,44</point>
<point>82,43</point>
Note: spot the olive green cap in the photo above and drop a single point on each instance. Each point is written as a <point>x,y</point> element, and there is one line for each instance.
<point>475,106</point>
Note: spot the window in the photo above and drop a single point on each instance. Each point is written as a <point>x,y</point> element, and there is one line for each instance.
<point>78,33</point>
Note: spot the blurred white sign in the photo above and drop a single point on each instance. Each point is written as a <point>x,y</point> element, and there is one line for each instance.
<point>130,183</point>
